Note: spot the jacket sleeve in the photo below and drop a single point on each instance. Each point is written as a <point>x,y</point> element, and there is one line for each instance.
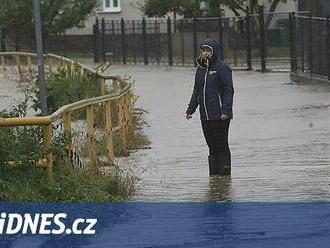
<point>227,89</point>
<point>193,104</point>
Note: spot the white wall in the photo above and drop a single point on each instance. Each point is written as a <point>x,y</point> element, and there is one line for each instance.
<point>130,10</point>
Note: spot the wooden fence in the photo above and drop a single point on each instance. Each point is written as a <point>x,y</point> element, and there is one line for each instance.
<point>120,98</point>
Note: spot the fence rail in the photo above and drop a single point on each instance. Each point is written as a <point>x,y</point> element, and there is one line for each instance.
<point>118,102</point>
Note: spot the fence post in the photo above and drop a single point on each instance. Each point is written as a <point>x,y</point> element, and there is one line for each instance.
<point>3,65</point>
<point>182,46</point>
<point>134,42</point>
<point>262,39</point>
<point>103,40</point>
<point>102,85</point>
<point>221,39</point>
<point>47,141</point>
<point>294,36</point>
<point>18,67</point>
<point>67,131</point>
<point>125,115</point>
<point>29,63</point>
<point>302,43</point>
<point>129,113</point>
<point>91,136</point>
<point>108,128</point>
<point>95,31</point>
<point>115,85</point>
<point>113,42</point>
<point>121,118</point>
<point>158,41</point>
<point>67,122</point>
<point>95,40</point>
<point>144,38</point>
<point>248,39</point>
<point>292,33</point>
<point>310,44</point>
<point>195,40</point>
<point>328,46</point>
<point>123,41</point>
<point>169,41</point>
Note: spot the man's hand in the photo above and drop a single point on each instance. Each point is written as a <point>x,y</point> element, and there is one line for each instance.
<point>188,116</point>
<point>224,117</point>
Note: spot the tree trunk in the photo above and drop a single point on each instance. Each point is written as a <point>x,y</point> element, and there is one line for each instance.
<point>272,8</point>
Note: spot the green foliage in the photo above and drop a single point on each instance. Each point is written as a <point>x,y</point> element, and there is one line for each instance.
<point>13,18</point>
<point>192,8</point>
<point>64,88</point>
<point>30,184</point>
<point>16,16</point>
<point>159,8</point>
<point>23,145</point>
<point>21,149</point>
<point>21,180</point>
<point>20,145</point>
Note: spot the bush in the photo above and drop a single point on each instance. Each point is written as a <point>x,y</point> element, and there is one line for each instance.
<point>64,88</point>
<point>21,148</point>
<point>29,184</point>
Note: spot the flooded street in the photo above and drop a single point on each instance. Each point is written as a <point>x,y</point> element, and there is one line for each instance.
<point>279,139</point>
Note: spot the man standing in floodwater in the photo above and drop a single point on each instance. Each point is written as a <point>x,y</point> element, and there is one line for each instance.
<point>213,92</point>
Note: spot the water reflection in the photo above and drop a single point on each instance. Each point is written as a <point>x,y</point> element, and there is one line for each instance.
<point>219,188</point>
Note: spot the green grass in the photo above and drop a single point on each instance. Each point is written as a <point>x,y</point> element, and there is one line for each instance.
<point>21,148</point>
<point>29,184</point>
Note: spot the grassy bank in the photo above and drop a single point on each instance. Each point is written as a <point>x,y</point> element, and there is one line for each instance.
<point>22,147</point>
<point>26,183</point>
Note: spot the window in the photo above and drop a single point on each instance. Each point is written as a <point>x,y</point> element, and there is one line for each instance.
<point>111,5</point>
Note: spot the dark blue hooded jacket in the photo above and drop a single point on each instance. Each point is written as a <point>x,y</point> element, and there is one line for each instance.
<point>213,88</point>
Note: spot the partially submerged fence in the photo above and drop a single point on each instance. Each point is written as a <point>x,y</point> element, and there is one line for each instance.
<point>112,110</point>
<point>310,49</point>
<point>258,41</point>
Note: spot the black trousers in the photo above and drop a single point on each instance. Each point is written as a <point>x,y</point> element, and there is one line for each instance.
<point>216,136</point>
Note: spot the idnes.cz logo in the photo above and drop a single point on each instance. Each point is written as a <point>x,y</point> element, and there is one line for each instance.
<point>44,223</point>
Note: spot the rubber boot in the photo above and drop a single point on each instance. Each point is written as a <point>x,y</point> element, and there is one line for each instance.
<point>219,164</point>
<point>213,165</point>
<point>225,161</point>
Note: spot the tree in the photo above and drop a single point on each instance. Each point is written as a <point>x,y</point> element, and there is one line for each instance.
<point>159,8</point>
<point>16,17</point>
<point>191,8</point>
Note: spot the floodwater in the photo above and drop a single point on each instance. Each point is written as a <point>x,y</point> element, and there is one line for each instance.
<point>279,139</point>
<point>14,92</point>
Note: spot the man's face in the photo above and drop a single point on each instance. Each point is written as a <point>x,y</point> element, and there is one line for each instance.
<point>206,53</point>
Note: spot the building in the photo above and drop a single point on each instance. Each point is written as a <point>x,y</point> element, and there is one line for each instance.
<point>111,9</point>
<point>316,7</point>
